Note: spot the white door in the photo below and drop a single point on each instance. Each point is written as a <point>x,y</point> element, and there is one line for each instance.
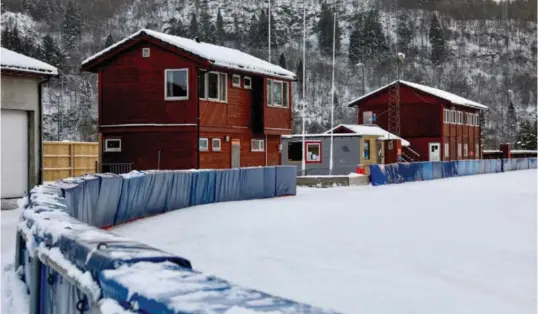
<point>435,151</point>
<point>14,153</point>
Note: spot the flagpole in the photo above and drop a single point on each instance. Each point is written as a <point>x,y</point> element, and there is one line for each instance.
<point>303,161</point>
<point>269,19</point>
<point>333,92</point>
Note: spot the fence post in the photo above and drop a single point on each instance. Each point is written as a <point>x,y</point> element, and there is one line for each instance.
<point>71,160</point>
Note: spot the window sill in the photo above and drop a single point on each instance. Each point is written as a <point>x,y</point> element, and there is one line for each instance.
<point>175,98</point>
<point>217,150</point>
<point>112,150</point>
<point>279,107</point>
<point>257,151</point>
<point>204,150</point>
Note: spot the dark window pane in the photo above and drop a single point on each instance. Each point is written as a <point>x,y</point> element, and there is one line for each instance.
<point>295,151</point>
<point>213,85</point>
<point>176,83</point>
<point>201,86</point>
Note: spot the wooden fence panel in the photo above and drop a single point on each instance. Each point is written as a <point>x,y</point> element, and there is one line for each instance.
<point>68,159</point>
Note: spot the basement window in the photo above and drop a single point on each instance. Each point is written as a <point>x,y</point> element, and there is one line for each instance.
<point>113,145</point>
<point>257,145</point>
<point>176,84</point>
<point>203,144</point>
<point>295,151</point>
<point>313,152</point>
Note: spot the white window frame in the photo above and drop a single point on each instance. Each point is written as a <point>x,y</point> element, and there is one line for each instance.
<point>260,144</point>
<point>214,147</point>
<point>452,116</point>
<point>204,78</point>
<point>166,97</point>
<point>465,150</point>
<point>245,85</point>
<point>477,151</point>
<point>459,150</point>
<point>115,149</point>
<point>219,85</point>
<point>308,156</point>
<point>200,141</point>
<point>285,104</point>
<point>447,150</point>
<point>445,116</point>
<point>146,52</point>
<point>238,77</point>
<point>477,119</point>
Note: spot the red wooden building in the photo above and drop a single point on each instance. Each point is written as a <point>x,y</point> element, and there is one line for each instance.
<point>438,124</point>
<point>167,102</point>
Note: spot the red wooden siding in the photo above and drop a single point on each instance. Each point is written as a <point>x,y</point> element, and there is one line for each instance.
<point>133,88</point>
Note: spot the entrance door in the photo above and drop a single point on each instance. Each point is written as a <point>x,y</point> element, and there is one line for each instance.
<point>435,151</point>
<point>14,153</point>
<point>236,153</point>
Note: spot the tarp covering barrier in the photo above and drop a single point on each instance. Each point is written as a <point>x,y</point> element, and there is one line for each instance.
<point>69,265</point>
<point>419,171</point>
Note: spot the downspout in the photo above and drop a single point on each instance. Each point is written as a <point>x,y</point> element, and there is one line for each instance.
<point>198,72</point>
<point>40,129</point>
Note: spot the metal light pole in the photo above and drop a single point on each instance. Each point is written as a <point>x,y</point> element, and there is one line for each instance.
<point>269,19</point>
<point>333,92</point>
<point>303,109</point>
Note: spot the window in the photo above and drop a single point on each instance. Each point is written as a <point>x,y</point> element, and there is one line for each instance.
<point>215,144</point>
<point>367,117</point>
<point>452,116</point>
<point>145,52</point>
<point>447,116</point>
<point>202,93</point>
<point>477,119</point>
<point>204,144</point>
<point>236,80</point>
<point>366,151</point>
<point>295,151</point>
<point>465,150</point>
<point>476,151</point>
<point>247,82</point>
<point>313,152</point>
<point>113,145</point>
<point>459,149</point>
<point>216,85</point>
<point>177,84</point>
<point>277,93</point>
<point>447,150</point>
<point>257,145</point>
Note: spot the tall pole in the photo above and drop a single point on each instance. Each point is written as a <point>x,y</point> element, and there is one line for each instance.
<point>303,161</point>
<point>269,19</point>
<point>333,92</point>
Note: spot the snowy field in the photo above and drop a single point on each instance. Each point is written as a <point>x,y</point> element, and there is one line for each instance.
<point>460,245</point>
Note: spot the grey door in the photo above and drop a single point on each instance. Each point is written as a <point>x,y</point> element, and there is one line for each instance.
<point>236,153</point>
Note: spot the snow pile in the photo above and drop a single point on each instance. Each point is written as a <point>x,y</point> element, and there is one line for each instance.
<point>218,55</point>
<point>10,60</point>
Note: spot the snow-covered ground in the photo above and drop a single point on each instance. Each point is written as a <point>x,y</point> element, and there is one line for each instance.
<point>461,245</point>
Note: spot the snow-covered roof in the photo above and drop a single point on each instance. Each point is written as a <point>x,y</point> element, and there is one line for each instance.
<point>369,129</point>
<point>218,55</point>
<point>11,60</point>
<point>453,98</point>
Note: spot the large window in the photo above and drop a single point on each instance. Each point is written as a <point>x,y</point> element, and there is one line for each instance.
<point>213,86</point>
<point>177,84</point>
<point>313,152</point>
<point>295,151</point>
<point>277,93</point>
<point>366,150</point>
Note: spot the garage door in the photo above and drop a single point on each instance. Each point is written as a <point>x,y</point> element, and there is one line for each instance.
<point>14,153</point>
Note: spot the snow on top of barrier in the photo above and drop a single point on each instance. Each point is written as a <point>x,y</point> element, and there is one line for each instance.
<point>110,306</point>
<point>242,310</point>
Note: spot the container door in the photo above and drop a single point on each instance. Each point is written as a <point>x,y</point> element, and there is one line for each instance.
<point>435,151</point>
<point>236,153</point>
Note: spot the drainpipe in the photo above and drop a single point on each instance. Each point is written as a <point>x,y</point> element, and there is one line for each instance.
<point>40,129</point>
<point>198,74</point>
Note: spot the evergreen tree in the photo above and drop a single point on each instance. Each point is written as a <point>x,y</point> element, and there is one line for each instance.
<point>193,27</point>
<point>405,33</point>
<point>72,27</point>
<point>109,41</point>
<point>174,27</point>
<point>511,123</point>
<point>84,113</point>
<point>300,78</point>
<point>373,39</point>
<point>207,29</point>
<point>253,32</point>
<point>282,61</point>
<point>326,31</point>
<point>51,53</point>
<point>527,134</point>
<point>355,47</point>
<point>437,41</point>
<point>220,33</point>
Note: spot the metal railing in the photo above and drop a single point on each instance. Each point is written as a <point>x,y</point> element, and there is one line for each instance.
<point>117,168</point>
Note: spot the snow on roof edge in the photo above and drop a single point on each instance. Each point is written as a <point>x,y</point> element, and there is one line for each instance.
<point>261,67</point>
<point>14,61</point>
<point>448,96</point>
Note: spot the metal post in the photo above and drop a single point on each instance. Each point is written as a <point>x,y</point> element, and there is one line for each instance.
<point>35,285</point>
<point>269,19</point>
<point>333,92</point>
<point>363,81</point>
<point>303,109</point>
<point>159,159</point>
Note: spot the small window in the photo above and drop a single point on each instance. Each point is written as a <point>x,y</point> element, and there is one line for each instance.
<point>113,145</point>
<point>447,150</point>
<point>177,84</point>
<point>465,150</point>
<point>367,117</point>
<point>459,149</point>
<point>257,145</point>
<point>204,144</point>
<point>215,144</point>
<point>366,151</point>
<point>295,151</point>
<point>247,82</point>
<point>313,152</point>
<point>236,80</point>
<point>145,52</point>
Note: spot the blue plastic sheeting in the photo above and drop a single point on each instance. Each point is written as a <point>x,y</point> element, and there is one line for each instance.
<point>180,190</point>
<point>437,168</point>
<point>269,182</point>
<point>158,185</point>
<point>227,185</point>
<point>73,195</point>
<point>286,180</point>
<point>449,169</point>
<point>134,197</point>
<point>58,296</point>
<point>90,190</point>
<point>109,198</point>
<point>202,188</point>
<point>533,163</point>
<point>186,291</point>
<point>377,175</point>
<point>26,266</point>
<point>252,183</point>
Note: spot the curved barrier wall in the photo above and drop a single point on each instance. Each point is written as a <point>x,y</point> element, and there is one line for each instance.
<point>422,171</point>
<point>71,265</point>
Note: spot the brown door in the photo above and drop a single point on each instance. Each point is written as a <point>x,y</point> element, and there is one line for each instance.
<point>236,153</point>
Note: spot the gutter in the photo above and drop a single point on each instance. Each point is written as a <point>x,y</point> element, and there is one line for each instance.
<point>40,129</point>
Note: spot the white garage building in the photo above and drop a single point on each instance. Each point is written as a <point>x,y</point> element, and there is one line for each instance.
<point>21,130</point>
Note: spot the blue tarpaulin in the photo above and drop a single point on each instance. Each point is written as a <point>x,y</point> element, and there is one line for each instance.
<point>109,198</point>
<point>133,198</point>
<point>90,199</point>
<point>180,190</point>
<point>252,183</point>
<point>286,180</point>
<point>203,188</point>
<point>227,185</point>
<point>159,186</point>
<point>269,182</point>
